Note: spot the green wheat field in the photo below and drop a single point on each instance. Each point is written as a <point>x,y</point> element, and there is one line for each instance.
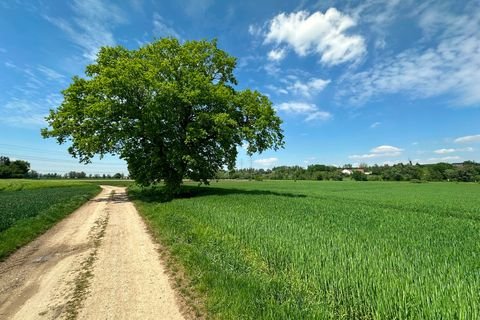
<point>325,250</point>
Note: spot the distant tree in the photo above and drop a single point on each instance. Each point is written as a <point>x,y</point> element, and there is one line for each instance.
<point>4,161</point>
<point>336,176</point>
<point>5,172</point>
<point>359,176</point>
<point>466,174</point>
<point>77,175</point>
<point>19,168</point>
<point>169,109</point>
<point>32,174</point>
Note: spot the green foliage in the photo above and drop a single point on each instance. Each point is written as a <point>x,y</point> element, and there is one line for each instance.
<point>468,171</point>
<point>326,250</point>
<point>359,176</point>
<point>28,208</point>
<point>13,169</point>
<point>169,109</point>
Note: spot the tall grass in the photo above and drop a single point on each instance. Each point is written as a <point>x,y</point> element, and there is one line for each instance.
<point>326,250</point>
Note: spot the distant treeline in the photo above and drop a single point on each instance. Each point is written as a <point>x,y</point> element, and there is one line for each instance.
<point>468,171</point>
<point>79,175</point>
<point>21,169</point>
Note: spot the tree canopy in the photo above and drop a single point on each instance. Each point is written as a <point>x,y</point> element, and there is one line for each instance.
<point>13,169</point>
<point>169,109</point>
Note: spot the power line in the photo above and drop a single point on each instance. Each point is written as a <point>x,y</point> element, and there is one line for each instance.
<point>68,161</point>
<point>42,150</point>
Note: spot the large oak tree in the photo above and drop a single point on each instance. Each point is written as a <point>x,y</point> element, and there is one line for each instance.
<point>170,109</point>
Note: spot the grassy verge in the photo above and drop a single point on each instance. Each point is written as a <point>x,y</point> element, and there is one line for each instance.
<point>325,250</point>
<point>33,208</point>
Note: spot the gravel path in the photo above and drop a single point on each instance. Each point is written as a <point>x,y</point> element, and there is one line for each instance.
<point>98,263</point>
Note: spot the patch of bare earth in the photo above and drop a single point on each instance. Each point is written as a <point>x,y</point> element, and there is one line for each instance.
<point>99,263</point>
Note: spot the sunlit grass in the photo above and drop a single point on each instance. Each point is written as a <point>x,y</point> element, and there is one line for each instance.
<point>326,250</point>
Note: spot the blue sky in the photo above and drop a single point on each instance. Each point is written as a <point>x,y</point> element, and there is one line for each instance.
<point>375,81</point>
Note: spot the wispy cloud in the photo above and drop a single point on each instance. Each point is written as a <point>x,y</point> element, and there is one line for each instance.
<point>29,113</point>
<point>91,26</point>
<point>10,65</point>
<point>255,30</point>
<point>324,34</point>
<point>195,8</point>
<point>449,68</point>
<point>452,150</point>
<point>468,139</point>
<point>50,73</point>
<point>161,27</point>
<point>22,113</point>
<point>276,89</point>
<point>375,125</point>
<point>3,50</point>
<point>318,116</point>
<point>309,110</point>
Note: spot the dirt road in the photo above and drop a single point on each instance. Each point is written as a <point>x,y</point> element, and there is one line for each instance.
<point>99,263</point>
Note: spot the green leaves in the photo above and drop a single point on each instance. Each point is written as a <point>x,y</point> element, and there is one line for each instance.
<point>169,109</point>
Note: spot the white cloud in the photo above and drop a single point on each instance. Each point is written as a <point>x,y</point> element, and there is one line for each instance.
<point>254,30</point>
<point>443,151</point>
<point>385,148</point>
<point>451,150</point>
<point>362,156</point>
<point>375,124</point>
<point>276,54</point>
<point>318,33</point>
<point>91,25</point>
<point>50,73</point>
<point>468,139</point>
<point>379,152</point>
<point>318,115</point>
<point>309,110</point>
<point>448,68</point>
<point>266,162</point>
<point>297,107</point>
<point>161,29</point>
<point>312,86</point>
